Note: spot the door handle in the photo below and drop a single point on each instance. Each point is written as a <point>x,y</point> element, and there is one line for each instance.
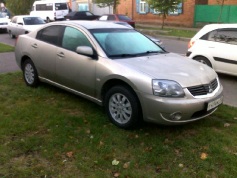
<point>61,54</point>
<point>34,46</point>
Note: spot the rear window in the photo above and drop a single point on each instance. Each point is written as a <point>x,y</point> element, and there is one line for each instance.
<point>60,6</point>
<point>123,17</point>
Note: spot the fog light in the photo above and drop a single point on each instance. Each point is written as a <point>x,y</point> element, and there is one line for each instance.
<point>176,116</point>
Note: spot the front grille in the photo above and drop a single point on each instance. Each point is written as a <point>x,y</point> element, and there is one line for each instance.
<point>203,89</point>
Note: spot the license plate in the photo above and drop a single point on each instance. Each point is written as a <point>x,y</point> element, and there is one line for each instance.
<point>214,104</point>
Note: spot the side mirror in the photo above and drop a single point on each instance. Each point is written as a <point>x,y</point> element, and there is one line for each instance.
<point>86,50</point>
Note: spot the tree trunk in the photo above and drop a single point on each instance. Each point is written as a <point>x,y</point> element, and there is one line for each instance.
<point>114,8</point>
<point>222,5</point>
<point>163,21</point>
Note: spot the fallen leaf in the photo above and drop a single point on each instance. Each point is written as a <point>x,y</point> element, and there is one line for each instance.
<point>101,143</point>
<point>226,125</point>
<point>116,174</point>
<point>126,165</point>
<point>203,156</point>
<point>181,165</point>
<point>115,162</point>
<point>88,131</point>
<point>69,154</point>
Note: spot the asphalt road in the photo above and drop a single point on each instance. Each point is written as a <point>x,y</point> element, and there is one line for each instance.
<point>8,64</point>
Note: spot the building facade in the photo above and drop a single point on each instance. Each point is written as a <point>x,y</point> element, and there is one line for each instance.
<point>139,11</point>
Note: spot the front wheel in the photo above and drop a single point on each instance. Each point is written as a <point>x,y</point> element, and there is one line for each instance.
<point>122,107</point>
<point>203,60</point>
<point>30,74</point>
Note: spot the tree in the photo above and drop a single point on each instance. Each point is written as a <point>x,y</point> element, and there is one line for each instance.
<point>164,7</point>
<point>222,5</point>
<point>18,7</point>
<point>107,3</point>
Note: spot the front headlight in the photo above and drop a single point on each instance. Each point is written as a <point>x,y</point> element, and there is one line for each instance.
<point>167,88</point>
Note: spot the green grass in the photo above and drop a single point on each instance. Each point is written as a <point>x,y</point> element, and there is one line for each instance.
<point>6,48</point>
<point>47,132</point>
<point>169,31</point>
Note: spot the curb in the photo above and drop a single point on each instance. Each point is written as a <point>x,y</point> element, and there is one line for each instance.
<point>154,33</point>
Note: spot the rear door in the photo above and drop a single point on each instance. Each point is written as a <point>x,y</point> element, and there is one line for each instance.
<point>45,50</point>
<point>61,9</point>
<point>223,47</point>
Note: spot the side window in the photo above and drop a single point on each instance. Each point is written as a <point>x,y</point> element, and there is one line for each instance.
<point>73,38</point>
<point>51,34</point>
<point>224,36</point>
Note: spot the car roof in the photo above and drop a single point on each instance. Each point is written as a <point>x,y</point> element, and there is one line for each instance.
<point>211,27</point>
<point>25,16</point>
<point>91,24</point>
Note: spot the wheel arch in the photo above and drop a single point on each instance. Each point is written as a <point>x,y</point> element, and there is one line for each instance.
<point>115,82</point>
<point>205,58</point>
<point>23,59</point>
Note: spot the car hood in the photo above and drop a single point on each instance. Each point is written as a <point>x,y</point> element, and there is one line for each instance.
<point>172,66</point>
<point>5,20</point>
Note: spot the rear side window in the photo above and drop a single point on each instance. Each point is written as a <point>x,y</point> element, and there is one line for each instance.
<point>60,6</point>
<point>123,17</point>
<point>51,34</point>
<point>224,36</point>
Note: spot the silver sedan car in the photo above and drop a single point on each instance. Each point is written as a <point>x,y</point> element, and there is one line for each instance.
<point>121,69</point>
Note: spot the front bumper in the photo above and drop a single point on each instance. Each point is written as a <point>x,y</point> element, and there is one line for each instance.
<point>162,110</point>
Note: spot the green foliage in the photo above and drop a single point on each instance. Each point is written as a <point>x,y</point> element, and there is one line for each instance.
<point>107,3</point>
<point>104,3</point>
<point>164,6</point>
<point>19,7</point>
<point>6,48</point>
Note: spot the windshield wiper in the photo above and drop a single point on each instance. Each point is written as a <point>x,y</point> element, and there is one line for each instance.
<point>123,55</point>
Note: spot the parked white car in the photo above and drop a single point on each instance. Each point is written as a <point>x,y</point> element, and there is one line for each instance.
<point>23,24</point>
<point>4,19</point>
<point>216,46</point>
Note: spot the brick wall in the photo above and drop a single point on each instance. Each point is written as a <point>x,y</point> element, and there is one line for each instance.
<point>226,2</point>
<point>184,19</point>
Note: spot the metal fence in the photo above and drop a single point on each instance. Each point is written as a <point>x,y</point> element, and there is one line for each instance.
<point>215,14</point>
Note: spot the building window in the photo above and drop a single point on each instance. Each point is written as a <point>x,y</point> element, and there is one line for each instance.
<point>142,6</point>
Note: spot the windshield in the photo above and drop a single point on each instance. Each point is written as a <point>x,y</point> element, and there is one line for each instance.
<point>119,43</point>
<point>33,21</point>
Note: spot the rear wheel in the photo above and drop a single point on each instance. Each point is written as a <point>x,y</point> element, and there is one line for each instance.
<point>122,107</point>
<point>203,60</point>
<point>11,35</point>
<point>30,74</point>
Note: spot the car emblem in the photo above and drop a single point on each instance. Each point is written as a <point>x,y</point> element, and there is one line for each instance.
<point>210,90</point>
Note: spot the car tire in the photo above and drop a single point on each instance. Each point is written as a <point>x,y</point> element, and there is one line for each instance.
<point>47,20</point>
<point>11,35</point>
<point>122,107</point>
<point>30,74</point>
<point>203,60</point>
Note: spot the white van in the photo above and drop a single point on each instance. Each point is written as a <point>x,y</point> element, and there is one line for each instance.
<point>50,10</point>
